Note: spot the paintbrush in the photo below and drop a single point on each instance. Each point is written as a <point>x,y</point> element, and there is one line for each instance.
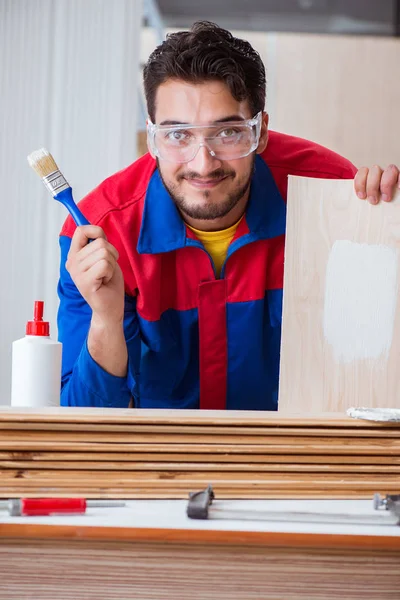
<point>46,167</point>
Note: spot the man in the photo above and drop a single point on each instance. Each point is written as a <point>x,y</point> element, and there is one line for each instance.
<point>178,300</point>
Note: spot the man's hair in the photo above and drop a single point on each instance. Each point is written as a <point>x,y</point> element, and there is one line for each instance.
<point>207,52</point>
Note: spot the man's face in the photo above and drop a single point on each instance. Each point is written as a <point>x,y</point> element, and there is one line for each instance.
<point>206,188</point>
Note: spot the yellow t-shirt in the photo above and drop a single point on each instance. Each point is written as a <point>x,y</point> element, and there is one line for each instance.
<point>216,243</point>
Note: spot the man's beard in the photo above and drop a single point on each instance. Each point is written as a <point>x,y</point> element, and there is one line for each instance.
<point>211,210</point>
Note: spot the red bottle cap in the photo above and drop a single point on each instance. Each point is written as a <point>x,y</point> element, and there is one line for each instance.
<point>38,326</point>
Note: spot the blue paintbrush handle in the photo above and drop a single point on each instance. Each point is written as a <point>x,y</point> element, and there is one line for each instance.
<point>66,198</point>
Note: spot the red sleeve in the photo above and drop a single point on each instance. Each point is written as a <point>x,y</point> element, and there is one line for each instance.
<point>288,155</point>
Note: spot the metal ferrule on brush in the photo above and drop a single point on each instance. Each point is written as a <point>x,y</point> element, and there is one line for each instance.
<point>56,182</point>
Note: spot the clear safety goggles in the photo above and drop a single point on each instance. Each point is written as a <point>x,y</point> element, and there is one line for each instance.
<point>224,141</point>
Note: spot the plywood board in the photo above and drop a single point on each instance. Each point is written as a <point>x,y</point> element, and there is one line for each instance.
<point>291,569</point>
<point>279,456</point>
<point>341,310</point>
<point>298,80</point>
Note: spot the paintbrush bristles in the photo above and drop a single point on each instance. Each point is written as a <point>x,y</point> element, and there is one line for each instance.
<point>46,167</point>
<point>42,162</point>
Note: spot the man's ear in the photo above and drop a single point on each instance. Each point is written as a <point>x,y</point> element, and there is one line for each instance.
<point>262,144</point>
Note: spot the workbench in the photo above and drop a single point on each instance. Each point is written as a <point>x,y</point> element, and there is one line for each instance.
<point>150,549</point>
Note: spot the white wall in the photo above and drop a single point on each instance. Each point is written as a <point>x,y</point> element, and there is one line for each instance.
<point>68,81</point>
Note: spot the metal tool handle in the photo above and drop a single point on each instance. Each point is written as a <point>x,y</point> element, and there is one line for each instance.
<point>30,507</point>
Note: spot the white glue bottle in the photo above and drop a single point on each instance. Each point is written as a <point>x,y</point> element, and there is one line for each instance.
<point>36,365</point>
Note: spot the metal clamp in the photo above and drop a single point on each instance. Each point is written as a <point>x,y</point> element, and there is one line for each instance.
<point>200,507</point>
<point>389,502</point>
<point>199,503</point>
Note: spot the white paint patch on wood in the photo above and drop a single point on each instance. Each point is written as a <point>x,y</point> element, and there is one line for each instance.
<point>360,300</point>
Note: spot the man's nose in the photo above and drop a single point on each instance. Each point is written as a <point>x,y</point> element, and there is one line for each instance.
<point>204,162</point>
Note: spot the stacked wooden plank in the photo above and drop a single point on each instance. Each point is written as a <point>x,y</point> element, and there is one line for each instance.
<point>167,454</point>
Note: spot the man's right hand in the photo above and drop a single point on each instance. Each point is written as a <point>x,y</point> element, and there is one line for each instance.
<point>94,270</point>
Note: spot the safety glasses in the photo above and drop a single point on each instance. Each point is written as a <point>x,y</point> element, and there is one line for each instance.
<point>224,141</point>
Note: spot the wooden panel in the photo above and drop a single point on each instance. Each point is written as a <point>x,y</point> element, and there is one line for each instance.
<point>53,418</point>
<point>141,143</point>
<point>314,377</point>
<point>167,454</point>
<point>340,91</point>
<point>216,535</point>
<point>93,570</point>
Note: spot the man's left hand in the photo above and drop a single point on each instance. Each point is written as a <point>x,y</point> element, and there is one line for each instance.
<point>377,184</point>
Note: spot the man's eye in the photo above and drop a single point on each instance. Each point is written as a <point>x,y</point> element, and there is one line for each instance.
<point>231,132</point>
<point>177,136</point>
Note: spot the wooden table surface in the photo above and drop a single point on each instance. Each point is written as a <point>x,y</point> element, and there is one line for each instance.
<point>166,520</point>
<point>150,550</point>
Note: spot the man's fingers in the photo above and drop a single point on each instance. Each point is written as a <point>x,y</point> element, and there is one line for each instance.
<point>374,184</point>
<point>95,257</point>
<point>100,273</point>
<point>81,250</point>
<point>360,182</point>
<point>389,179</point>
<point>94,247</point>
<point>82,236</point>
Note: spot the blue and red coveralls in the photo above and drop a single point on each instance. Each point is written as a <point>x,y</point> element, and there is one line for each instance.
<point>193,341</point>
